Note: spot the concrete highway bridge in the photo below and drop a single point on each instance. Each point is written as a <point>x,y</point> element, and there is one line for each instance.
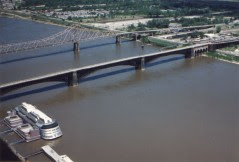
<point>137,34</point>
<point>73,76</point>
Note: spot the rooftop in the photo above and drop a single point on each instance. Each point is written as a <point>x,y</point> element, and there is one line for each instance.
<point>30,108</point>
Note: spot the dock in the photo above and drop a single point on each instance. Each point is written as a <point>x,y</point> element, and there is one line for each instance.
<point>54,155</point>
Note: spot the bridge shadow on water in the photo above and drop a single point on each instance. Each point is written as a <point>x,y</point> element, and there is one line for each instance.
<point>33,57</point>
<point>87,79</point>
<point>59,52</point>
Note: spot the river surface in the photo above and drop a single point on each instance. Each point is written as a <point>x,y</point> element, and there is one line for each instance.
<point>176,110</point>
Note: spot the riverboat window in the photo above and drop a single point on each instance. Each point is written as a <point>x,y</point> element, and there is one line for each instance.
<point>32,118</point>
<point>21,113</point>
<point>34,115</point>
<point>25,126</point>
<point>23,108</point>
<point>13,117</point>
<point>41,120</point>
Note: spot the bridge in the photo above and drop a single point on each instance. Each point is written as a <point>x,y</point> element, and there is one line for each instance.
<point>72,76</point>
<point>73,35</point>
<point>77,34</point>
<point>137,34</point>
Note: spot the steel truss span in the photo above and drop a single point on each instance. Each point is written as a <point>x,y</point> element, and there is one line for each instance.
<point>69,35</point>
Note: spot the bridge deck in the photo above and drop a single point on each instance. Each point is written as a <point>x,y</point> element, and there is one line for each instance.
<point>122,61</point>
<point>98,65</point>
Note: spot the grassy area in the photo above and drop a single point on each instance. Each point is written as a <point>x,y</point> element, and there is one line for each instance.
<point>217,55</point>
<point>160,42</point>
<point>231,48</point>
<point>117,18</point>
<point>52,20</point>
<point>236,34</point>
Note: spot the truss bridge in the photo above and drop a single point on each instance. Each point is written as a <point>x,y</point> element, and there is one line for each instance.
<point>75,35</point>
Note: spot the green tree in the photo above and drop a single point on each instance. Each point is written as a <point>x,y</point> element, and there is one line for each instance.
<point>226,21</point>
<point>131,27</point>
<point>218,29</point>
<point>69,18</point>
<point>141,27</point>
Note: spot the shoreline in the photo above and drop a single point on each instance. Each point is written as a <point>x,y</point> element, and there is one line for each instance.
<point>47,21</point>
<point>15,16</point>
<point>232,62</point>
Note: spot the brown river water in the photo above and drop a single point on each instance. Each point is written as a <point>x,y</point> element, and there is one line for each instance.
<point>176,110</point>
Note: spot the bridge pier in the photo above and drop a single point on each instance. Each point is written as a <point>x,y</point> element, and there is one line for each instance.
<point>140,65</point>
<point>211,47</point>
<point>189,54</point>
<point>76,47</point>
<point>151,34</point>
<point>118,39</point>
<point>73,79</point>
<point>193,53</point>
<point>135,37</point>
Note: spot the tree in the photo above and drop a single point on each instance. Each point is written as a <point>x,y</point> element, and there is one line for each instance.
<point>210,31</point>
<point>197,34</point>
<point>226,21</point>
<point>69,18</point>
<point>218,29</point>
<point>131,27</point>
<point>158,23</point>
<point>141,27</point>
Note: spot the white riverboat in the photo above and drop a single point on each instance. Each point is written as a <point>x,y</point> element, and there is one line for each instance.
<point>33,119</point>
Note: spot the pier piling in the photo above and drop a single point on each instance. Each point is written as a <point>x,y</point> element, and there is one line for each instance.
<point>76,47</point>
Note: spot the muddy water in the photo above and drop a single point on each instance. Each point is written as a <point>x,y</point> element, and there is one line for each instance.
<point>174,110</point>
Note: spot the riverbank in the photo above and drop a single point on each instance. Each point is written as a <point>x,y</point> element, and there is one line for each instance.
<point>45,20</point>
<point>222,57</point>
<point>162,43</point>
<point>39,19</point>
